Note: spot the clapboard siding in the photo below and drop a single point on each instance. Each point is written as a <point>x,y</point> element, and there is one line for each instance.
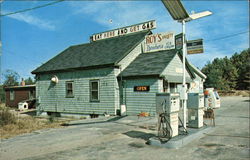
<point>53,97</point>
<point>196,85</point>
<point>173,66</point>
<point>137,102</point>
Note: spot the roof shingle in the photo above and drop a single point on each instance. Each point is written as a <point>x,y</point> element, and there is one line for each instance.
<point>99,53</point>
<point>149,63</point>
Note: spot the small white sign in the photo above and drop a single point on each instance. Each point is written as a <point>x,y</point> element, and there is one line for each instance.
<point>159,41</point>
<point>178,70</point>
<point>124,30</point>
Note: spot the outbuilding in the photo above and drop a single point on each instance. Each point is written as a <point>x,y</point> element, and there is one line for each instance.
<point>101,76</point>
<point>16,94</point>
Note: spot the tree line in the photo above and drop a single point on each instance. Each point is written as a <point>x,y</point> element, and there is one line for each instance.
<point>229,73</point>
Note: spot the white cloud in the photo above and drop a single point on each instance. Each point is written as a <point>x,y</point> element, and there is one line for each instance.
<point>33,20</point>
<point>125,13</point>
<point>122,13</point>
<point>211,52</point>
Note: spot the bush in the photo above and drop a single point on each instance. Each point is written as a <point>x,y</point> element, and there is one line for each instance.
<point>6,117</point>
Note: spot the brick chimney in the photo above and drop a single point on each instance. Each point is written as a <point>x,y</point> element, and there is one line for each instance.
<point>23,82</point>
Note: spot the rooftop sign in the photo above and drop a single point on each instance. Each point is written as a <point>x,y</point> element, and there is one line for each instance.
<point>159,41</point>
<point>124,30</point>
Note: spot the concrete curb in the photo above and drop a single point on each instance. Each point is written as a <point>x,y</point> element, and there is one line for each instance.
<point>181,140</point>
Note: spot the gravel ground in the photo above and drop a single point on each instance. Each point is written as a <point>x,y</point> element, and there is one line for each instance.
<point>124,138</point>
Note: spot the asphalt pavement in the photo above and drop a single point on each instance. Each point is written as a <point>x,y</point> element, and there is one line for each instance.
<point>123,138</point>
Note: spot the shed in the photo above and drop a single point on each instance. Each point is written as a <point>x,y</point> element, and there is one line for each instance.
<point>16,94</point>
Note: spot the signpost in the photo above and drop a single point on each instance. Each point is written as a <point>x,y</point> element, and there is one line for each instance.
<point>195,46</point>
<point>159,41</point>
<point>179,13</point>
<point>124,30</point>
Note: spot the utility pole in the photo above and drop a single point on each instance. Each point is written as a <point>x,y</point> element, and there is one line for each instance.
<point>1,44</point>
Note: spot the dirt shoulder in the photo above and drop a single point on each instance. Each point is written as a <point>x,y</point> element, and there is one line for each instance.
<point>243,93</point>
<point>13,123</point>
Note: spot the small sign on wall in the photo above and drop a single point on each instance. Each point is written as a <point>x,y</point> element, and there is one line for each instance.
<point>141,88</point>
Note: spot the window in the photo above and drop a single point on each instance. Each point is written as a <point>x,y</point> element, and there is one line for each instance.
<point>94,90</point>
<point>31,94</point>
<point>216,95</point>
<point>165,85</point>
<point>172,88</point>
<point>69,89</point>
<point>12,95</point>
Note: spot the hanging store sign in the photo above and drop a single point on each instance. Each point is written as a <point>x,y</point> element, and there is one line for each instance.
<point>195,46</point>
<point>160,41</point>
<point>124,30</point>
<point>178,41</point>
<point>141,88</point>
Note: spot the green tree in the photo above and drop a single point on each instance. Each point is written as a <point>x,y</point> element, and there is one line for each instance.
<point>214,74</point>
<point>229,73</point>
<point>242,63</point>
<point>11,78</point>
<point>29,81</point>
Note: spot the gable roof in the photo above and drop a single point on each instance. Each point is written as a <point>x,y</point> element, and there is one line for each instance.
<point>149,64</point>
<point>105,52</point>
<point>197,71</point>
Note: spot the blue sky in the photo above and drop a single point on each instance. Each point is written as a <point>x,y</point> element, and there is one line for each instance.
<point>32,38</point>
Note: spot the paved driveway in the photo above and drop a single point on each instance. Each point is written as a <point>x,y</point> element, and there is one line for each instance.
<point>124,138</point>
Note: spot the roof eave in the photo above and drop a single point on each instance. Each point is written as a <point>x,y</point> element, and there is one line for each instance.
<point>76,69</point>
<point>138,76</point>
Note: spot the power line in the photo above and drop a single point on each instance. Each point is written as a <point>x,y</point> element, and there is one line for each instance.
<point>29,9</point>
<point>228,36</point>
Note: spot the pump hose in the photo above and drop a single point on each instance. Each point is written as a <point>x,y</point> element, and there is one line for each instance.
<point>165,132</point>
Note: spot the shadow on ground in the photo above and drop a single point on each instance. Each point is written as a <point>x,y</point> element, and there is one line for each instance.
<point>30,113</point>
<point>95,122</point>
<point>139,134</point>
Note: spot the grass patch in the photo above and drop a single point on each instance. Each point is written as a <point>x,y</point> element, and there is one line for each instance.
<point>12,123</point>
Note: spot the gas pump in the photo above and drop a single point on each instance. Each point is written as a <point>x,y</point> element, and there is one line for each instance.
<point>195,105</point>
<point>212,99</point>
<point>167,108</point>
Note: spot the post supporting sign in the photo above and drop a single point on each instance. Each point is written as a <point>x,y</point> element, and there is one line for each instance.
<point>124,30</point>
<point>159,41</point>
<point>195,46</point>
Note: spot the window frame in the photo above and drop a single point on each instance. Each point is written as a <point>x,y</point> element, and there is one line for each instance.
<point>91,90</point>
<point>66,89</point>
<point>12,95</point>
<point>32,94</point>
